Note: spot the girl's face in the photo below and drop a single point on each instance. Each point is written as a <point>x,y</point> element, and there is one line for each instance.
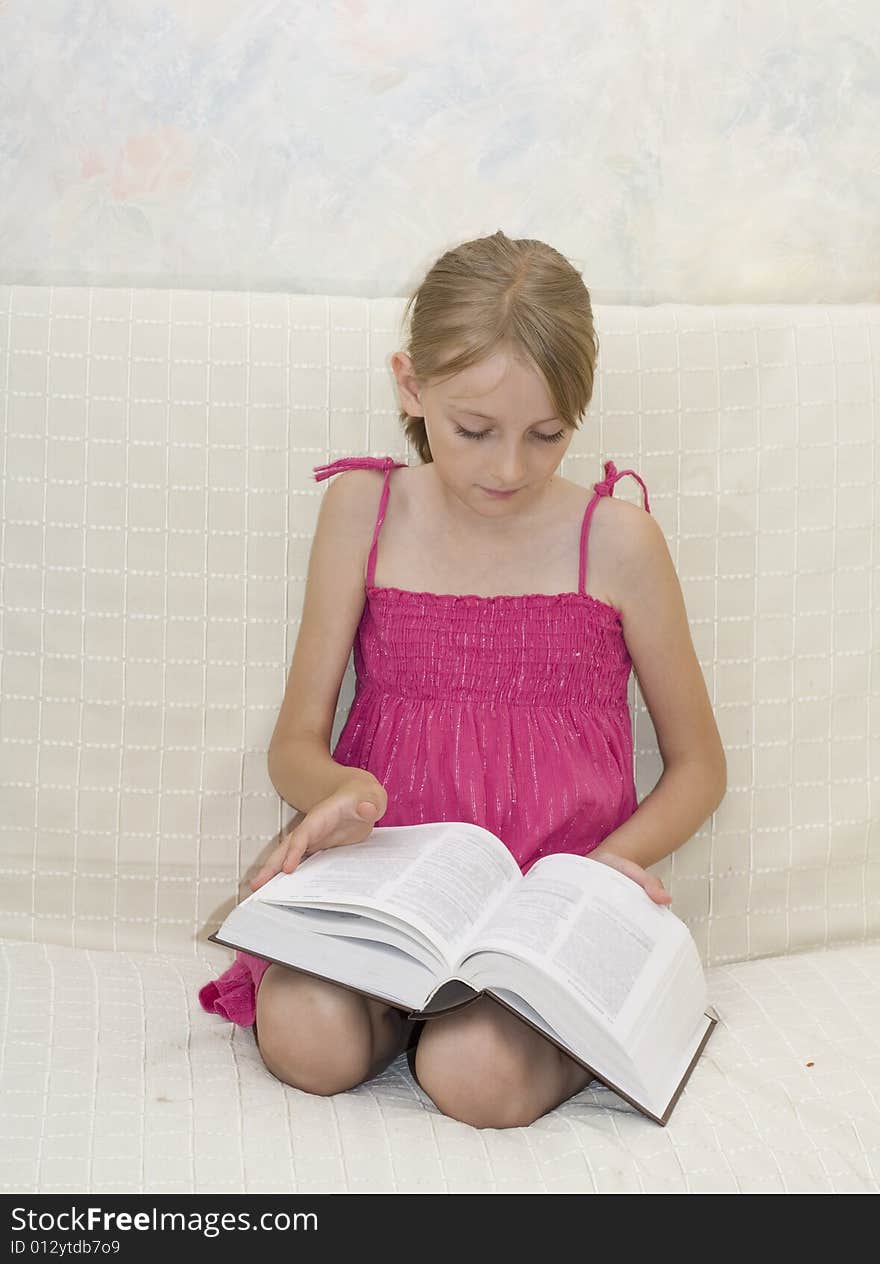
<point>492,427</point>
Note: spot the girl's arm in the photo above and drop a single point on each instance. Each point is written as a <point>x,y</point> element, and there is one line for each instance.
<point>657,635</point>
<point>303,772</point>
<point>683,798</point>
<point>332,606</point>
<point>336,804</point>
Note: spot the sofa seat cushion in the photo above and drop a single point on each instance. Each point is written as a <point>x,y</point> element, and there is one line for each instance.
<point>115,1080</point>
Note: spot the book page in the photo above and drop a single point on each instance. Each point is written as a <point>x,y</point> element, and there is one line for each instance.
<point>441,877</point>
<point>590,928</point>
<point>378,968</point>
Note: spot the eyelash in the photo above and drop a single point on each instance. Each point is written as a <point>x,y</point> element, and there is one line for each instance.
<point>481,434</point>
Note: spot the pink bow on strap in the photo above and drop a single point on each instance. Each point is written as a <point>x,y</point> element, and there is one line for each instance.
<point>612,474</point>
<point>605,488</point>
<point>353,463</point>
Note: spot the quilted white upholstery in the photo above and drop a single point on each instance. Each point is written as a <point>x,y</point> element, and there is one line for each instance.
<point>156,514</point>
<point>116,1081</point>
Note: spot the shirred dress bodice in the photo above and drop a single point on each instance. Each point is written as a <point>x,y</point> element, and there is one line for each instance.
<point>537,649</point>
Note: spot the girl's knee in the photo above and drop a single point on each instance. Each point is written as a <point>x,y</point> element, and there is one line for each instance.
<point>474,1072</point>
<point>312,1034</point>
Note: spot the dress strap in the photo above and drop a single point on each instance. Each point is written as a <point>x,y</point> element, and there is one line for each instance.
<point>386,463</point>
<point>605,488</point>
<point>354,463</point>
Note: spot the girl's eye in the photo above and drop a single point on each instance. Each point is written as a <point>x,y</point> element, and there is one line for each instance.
<point>481,434</point>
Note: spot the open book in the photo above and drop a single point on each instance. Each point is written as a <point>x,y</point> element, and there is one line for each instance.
<point>428,917</point>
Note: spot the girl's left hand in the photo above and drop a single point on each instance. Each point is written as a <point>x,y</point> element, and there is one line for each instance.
<point>648,881</point>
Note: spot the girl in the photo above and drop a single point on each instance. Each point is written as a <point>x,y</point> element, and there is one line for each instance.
<point>489,689</point>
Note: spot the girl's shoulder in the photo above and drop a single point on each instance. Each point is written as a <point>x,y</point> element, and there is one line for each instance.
<point>622,526</point>
<point>356,499</point>
<point>622,537</point>
<point>364,487</point>
<point>611,514</point>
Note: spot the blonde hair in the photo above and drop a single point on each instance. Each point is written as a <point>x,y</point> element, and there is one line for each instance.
<point>495,293</point>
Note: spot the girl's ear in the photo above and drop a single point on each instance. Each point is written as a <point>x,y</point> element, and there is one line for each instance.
<point>408,387</point>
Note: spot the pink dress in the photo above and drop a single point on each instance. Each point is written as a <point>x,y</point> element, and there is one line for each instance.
<point>508,711</point>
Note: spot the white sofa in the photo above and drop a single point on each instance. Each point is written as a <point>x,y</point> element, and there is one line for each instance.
<point>157,508</point>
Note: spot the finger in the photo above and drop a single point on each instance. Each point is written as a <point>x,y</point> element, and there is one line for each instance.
<point>648,881</point>
<point>652,887</point>
<point>628,868</point>
<point>262,878</point>
<point>269,870</point>
<point>271,866</point>
<point>658,892</point>
<point>294,856</point>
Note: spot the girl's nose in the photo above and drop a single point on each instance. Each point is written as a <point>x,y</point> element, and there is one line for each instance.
<point>509,473</point>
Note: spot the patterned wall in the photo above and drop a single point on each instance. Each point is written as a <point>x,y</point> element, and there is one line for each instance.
<point>698,151</point>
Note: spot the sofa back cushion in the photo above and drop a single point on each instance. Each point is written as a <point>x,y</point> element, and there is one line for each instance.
<point>157,511</point>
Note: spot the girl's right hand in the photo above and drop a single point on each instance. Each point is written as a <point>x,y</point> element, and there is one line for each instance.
<point>344,817</point>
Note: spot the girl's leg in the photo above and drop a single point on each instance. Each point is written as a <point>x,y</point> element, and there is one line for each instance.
<point>486,1067</point>
<point>322,1037</point>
